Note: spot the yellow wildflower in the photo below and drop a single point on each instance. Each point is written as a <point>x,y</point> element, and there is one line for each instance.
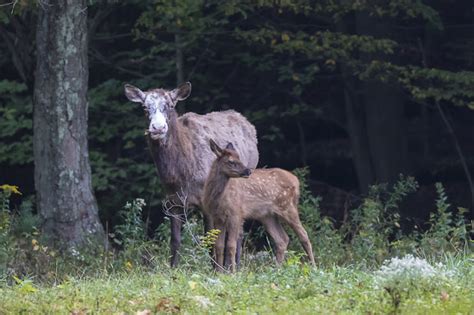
<point>192,285</point>
<point>11,189</point>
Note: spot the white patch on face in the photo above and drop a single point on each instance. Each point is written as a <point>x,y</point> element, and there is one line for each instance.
<point>158,126</point>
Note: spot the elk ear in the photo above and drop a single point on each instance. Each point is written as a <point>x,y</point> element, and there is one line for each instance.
<point>215,148</point>
<point>181,92</point>
<point>230,146</point>
<point>134,94</point>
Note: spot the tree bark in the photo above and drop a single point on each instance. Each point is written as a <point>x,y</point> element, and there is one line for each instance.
<point>356,127</point>
<point>384,112</point>
<point>65,201</point>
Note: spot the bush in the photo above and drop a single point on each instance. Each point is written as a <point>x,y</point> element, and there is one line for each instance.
<point>373,232</point>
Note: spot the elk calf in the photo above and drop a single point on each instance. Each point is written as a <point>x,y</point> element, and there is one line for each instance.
<point>265,195</point>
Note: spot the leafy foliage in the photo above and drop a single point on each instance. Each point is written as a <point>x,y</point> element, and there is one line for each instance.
<point>287,66</point>
<point>16,125</point>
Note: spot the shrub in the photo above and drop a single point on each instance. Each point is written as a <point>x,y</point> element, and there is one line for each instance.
<point>327,241</point>
<point>447,232</point>
<point>377,221</point>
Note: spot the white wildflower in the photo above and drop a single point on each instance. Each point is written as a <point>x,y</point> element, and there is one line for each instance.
<point>213,281</point>
<point>74,252</point>
<point>203,301</point>
<point>412,269</point>
<point>262,255</point>
<point>140,202</point>
<point>406,266</point>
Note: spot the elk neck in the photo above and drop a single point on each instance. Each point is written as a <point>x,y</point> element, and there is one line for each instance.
<point>215,185</point>
<point>173,156</point>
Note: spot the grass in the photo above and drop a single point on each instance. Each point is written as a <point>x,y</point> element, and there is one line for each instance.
<point>293,288</point>
<point>429,272</point>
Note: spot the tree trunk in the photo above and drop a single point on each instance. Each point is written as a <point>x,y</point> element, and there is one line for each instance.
<point>384,112</point>
<point>355,117</point>
<point>385,127</point>
<point>66,204</point>
<point>179,59</point>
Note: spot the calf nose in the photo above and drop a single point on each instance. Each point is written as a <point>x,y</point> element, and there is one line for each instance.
<point>246,172</point>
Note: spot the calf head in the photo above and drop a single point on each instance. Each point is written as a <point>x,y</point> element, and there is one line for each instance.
<point>159,105</point>
<point>228,161</point>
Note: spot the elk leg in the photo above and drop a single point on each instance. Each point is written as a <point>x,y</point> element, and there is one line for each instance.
<point>296,225</point>
<point>175,242</point>
<point>279,236</point>
<point>208,225</point>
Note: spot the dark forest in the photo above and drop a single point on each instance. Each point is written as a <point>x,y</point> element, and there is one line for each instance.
<point>359,98</point>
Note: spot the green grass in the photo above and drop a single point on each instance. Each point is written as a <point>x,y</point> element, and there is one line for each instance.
<point>437,278</point>
<point>291,289</point>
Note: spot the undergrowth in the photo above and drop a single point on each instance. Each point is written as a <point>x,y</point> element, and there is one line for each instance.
<point>370,263</point>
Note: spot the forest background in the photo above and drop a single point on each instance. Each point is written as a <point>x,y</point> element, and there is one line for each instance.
<point>357,91</point>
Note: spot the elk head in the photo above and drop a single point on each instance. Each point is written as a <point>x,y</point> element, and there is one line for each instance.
<point>229,161</point>
<point>158,105</point>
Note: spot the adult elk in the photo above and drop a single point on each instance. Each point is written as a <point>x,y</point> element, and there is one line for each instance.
<point>265,195</point>
<point>180,149</point>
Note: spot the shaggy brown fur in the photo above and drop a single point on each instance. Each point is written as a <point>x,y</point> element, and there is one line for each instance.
<point>183,157</point>
<point>267,195</point>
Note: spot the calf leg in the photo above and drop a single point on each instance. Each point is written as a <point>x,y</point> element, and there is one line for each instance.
<point>239,248</point>
<point>233,233</point>
<point>295,223</point>
<point>219,247</point>
<point>279,236</point>
<point>238,251</point>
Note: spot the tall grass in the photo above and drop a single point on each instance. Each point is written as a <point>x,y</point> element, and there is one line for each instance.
<point>371,235</point>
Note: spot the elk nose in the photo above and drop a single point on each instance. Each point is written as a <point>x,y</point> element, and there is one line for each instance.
<point>158,129</point>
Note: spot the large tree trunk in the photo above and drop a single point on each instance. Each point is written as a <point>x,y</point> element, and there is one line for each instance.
<point>384,119</point>
<point>65,201</point>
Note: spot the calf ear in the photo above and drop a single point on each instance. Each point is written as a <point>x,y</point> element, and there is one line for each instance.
<point>181,92</point>
<point>134,94</point>
<point>215,148</point>
<point>230,146</point>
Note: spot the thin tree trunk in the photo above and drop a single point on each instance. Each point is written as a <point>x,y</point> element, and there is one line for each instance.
<point>302,139</point>
<point>459,151</point>
<point>449,127</point>
<point>179,65</point>
<point>179,60</point>
<point>66,204</point>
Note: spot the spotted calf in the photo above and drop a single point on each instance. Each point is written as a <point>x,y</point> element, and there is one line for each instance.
<point>233,193</point>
